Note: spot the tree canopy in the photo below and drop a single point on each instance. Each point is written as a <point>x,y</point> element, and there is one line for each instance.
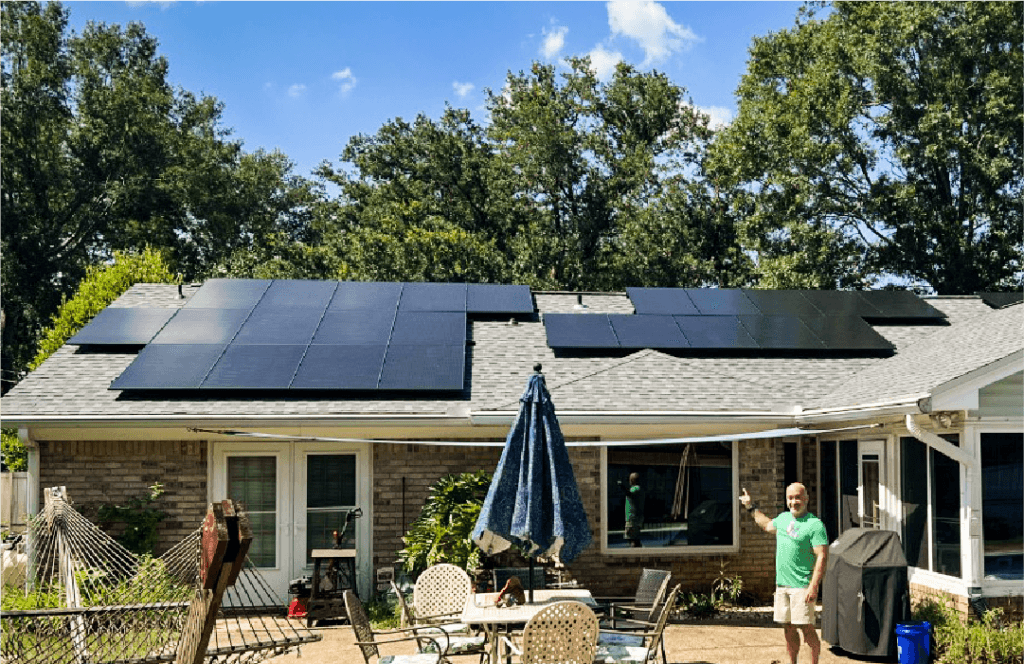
<point>883,139</point>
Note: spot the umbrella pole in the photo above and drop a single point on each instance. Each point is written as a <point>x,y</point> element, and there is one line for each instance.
<point>530,580</point>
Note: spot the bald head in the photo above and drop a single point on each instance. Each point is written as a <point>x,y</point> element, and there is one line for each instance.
<point>796,499</point>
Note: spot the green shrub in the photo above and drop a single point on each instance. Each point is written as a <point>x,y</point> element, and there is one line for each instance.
<point>140,519</point>
<point>959,641</point>
<point>15,456</point>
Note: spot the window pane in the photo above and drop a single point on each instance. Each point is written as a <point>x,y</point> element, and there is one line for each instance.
<point>252,481</point>
<point>330,496</point>
<point>849,509</point>
<point>946,511</point>
<point>687,494</point>
<point>829,498</point>
<point>914,494</point>
<point>1002,491</point>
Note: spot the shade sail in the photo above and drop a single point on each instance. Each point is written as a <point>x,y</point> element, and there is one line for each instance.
<point>533,499</point>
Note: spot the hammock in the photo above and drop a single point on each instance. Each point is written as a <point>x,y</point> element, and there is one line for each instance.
<point>87,600</point>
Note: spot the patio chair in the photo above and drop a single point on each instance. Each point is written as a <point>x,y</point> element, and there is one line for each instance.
<point>650,593</point>
<point>459,641</point>
<point>440,593</point>
<point>637,647</point>
<point>560,633</point>
<point>503,574</point>
<point>369,644</point>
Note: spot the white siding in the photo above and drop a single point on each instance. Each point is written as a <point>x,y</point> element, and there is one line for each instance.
<point>1003,398</point>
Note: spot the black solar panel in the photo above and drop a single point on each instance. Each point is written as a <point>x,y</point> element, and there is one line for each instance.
<point>299,293</point>
<point>498,299</point>
<point>901,305</point>
<point>781,302</point>
<point>265,366</point>
<point>279,325</point>
<point>579,331</point>
<point>366,295</point>
<point>433,297</point>
<point>425,328</point>
<point>122,326</point>
<point>169,366</point>
<point>846,333</point>
<point>340,367</point>
<point>721,301</point>
<point>715,332</point>
<point>840,303</point>
<point>647,331</point>
<point>661,301</point>
<point>229,294</point>
<point>202,326</point>
<point>998,300</point>
<point>780,333</point>
<point>424,368</point>
<point>356,327</point>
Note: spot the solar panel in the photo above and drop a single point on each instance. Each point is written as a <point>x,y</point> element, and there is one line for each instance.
<point>661,301</point>
<point>846,333</point>
<point>579,331</point>
<point>228,294</point>
<point>348,367</point>
<point>781,302</point>
<point>901,305</point>
<point>498,299</point>
<point>647,331</point>
<point>279,325</point>
<point>425,328</point>
<point>119,326</point>
<point>715,332</point>
<point>840,303</point>
<point>424,368</point>
<point>202,326</point>
<point>780,333</point>
<point>433,297</point>
<point>721,301</point>
<point>169,366</point>
<point>365,295</point>
<point>357,327</point>
<point>299,293</point>
<point>267,366</point>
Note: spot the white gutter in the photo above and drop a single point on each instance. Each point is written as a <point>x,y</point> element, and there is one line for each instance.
<point>939,443</point>
<point>609,417</point>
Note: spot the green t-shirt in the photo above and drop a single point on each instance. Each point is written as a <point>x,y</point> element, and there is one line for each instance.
<point>795,540</point>
<point>635,506</point>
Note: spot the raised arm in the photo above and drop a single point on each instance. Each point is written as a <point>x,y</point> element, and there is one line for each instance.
<point>760,517</point>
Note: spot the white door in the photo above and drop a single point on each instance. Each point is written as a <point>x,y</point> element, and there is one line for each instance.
<point>296,494</point>
<point>871,483</point>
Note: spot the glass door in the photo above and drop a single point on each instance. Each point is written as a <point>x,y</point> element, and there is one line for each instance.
<point>870,483</point>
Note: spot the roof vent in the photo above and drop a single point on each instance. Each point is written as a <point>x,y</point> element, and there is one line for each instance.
<point>579,302</point>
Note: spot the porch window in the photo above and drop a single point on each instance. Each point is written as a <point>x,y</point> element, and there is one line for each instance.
<point>1002,490</point>
<point>930,492</point>
<point>252,480</point>
<point>330,496</point>
<point>688,494</point>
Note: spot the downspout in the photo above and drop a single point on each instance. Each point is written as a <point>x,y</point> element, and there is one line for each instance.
<point>939,443</point>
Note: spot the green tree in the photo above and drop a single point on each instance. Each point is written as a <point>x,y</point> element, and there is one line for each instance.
<point>883,139</point>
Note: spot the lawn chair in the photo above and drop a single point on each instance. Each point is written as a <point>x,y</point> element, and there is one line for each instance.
<point>369,643</point>
<point>650,593</point>
<point>561,633</point>
<point>440,594</point>
<point>460,641</point>
<point>637,647</point>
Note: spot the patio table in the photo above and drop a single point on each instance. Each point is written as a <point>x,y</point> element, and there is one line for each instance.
<point>481,610</point>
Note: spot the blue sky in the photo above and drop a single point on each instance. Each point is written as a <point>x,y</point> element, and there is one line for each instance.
<point>304,77</point>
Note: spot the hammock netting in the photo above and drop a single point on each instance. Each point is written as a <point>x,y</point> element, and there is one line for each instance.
<point>85,599</point>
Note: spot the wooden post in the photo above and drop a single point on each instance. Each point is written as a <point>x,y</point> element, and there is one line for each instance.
<point>225,542</point>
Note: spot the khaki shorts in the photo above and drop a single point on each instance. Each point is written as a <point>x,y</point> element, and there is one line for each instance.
<point>791,607</point>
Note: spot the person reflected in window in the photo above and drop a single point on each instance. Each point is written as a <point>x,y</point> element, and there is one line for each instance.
<point>635,498</point>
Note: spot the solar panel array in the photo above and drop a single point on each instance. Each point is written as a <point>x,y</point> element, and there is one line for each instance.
<point>249,334</point>
<point>744,320</point>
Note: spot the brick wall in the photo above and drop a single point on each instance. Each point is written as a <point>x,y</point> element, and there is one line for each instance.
<point>114,472</point>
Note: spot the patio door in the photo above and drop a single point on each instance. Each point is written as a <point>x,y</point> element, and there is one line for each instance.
<point>296,495</point>
<point>871,483</point>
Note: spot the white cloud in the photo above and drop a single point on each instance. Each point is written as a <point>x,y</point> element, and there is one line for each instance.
<point>603,62</point>
<point>720,115</point>
<point>462,89</point>
<point>347,80</point>
<point>554,42</point>
<point>296,90</point>
<point>650,25</point>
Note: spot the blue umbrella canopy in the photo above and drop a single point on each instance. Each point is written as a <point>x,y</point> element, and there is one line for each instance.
<point>533,499</point>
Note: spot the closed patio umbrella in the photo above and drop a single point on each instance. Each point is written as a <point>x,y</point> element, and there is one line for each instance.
<point>533,498</point>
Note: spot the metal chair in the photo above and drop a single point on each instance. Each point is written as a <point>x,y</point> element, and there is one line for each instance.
<point>440,593</point>
<point>369,644</point>
<point>637,647</point>
<point>561,633</point>
<point>650,592</point>
<point>460,642</point>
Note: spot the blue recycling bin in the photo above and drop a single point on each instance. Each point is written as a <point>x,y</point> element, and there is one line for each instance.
<point>913,641</point>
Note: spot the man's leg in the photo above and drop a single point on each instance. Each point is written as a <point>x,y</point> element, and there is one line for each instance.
<point>813,642</point>
<point>792,641</point>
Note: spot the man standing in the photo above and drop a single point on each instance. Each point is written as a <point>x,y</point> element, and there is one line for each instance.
<point>635,499</point>
<point>801,550</point>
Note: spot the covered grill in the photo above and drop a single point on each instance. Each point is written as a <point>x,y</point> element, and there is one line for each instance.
<point>865,592</point>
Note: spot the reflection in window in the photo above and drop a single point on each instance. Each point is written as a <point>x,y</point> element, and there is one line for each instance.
<point>252,481</point>
<point>688,494</point>
<point>1002,495</point>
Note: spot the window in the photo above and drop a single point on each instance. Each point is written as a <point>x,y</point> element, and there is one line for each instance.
<point>1002,496</point>
<point>688,494</point>
<point>252,481</point>
<point>330,496</point>
<point>930,493</point>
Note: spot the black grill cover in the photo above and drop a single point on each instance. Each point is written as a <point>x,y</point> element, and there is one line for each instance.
<point>865,593</point>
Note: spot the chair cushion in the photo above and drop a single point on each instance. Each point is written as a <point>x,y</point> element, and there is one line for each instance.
<point>456,644</point>
<point>610,639</point>
<point>620,655</point>
<point>420,658</point>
